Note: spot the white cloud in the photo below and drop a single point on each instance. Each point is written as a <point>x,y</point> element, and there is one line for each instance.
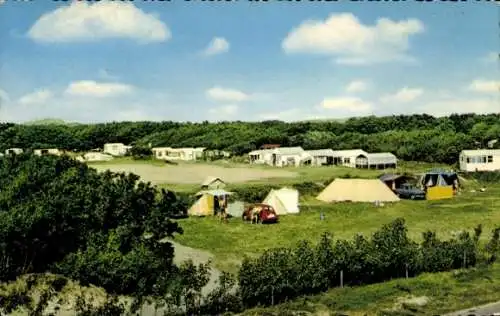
<point>404,95</point>
<point>218,45</point>
<point>349,104</point>
<point>485,86</point>
<point>81,21</point>
<point>344,37</point>
<point>226,95</point>
<point>37,97</point>
<point>91,88</point>
<point>356,86</point>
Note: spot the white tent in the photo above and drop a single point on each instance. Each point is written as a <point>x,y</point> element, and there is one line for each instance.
<point>284,201</point>
<point>357,190</point>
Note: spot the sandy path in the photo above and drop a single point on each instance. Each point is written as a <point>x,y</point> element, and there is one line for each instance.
<point>193,173</point>
<point>183,253</point>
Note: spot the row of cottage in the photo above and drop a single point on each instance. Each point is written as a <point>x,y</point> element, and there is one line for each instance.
<point>297,156</point>
<point>469,160</point>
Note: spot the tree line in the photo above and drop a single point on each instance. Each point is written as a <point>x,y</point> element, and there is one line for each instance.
<point>410,137</point>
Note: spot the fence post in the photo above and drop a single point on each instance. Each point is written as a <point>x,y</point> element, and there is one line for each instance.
<point>341,278</point>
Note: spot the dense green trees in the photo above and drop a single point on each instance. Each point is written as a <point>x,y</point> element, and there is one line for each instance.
<point>285,273</point>
<point>415,137</point>
<point>58,215</point>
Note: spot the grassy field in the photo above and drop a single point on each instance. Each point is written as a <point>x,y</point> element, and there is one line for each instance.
<point>428,294</point>
<point>230,242</point>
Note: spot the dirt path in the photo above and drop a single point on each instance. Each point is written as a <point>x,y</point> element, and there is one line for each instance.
<point>183,253</point>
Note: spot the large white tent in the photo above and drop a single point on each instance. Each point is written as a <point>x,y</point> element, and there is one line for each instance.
<point>357,190</point>
<point>284,201</point>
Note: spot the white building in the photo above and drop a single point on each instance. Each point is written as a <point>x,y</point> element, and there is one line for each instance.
<point>48,151</point>
<point>280,157</point>
<point>16,151</point>
<point>169,153</point>
<point>116,149</point>
<point>348,157</point>
<point>376,161</point>
<point>260,156</point>
<point>480,160</point>
<point>321,157</point>
<point>96,156</point>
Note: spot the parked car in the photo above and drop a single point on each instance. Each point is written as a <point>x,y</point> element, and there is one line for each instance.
<point>260,213</point>
<point>409,191</point>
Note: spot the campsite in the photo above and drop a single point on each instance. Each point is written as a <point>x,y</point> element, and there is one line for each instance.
<point>229,242</point>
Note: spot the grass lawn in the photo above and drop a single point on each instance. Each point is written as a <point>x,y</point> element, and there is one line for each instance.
<point>230,242</point>
<point>445,292</point>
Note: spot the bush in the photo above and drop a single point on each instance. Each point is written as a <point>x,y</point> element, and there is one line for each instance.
<point>141,153</point>
<point>253,193</point>
<point>283,273</point>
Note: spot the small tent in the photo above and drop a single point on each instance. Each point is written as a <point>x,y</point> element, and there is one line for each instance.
<point>208,202</point>
<point>357,190</point>
<point>284,201</point>
<point>204,206</point>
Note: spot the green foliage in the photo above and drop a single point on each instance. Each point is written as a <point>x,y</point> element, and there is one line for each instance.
<point>111,307</point>
<point>282,273</point>
<point>59,215</point>
<point>141,153</point>
<point>253,193</point>
<point>410,137</point>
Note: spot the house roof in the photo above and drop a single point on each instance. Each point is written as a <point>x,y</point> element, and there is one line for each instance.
<point>349,152</point>
<point>209,180</point>
<point>321,152</point>
<point>288,150</point>
<point>381,155</point>
<point>270,146</point>
<point>481,152</point>
<point>379,158</point>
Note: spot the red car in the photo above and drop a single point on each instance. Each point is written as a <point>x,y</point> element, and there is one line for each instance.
<point>260,213</point>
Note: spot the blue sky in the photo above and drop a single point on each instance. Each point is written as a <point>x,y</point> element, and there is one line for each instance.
<point>193,61</point>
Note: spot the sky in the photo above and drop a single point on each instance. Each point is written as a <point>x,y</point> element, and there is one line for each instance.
<point>97,61</point>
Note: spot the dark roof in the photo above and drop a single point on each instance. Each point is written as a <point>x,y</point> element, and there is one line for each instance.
<point>269,146</point>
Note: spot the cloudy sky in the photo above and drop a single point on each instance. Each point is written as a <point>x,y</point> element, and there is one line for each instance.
<point>194,61</point>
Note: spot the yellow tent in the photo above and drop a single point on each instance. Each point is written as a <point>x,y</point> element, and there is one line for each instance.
<point>203,207</point>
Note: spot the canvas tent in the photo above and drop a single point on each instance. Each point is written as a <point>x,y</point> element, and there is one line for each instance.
<point>284,201</point>
<point>208,202</point>
<point>357,190</point>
